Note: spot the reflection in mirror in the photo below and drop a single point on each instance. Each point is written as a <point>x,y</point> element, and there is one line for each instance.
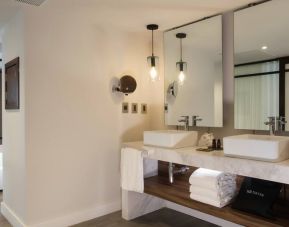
<point>261,65</point>
<point>201,93</point>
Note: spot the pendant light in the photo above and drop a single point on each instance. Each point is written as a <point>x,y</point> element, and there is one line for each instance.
<point>181,65</point>
<point>153,60</point>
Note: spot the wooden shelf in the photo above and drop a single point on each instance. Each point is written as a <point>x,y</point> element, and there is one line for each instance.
<point>179,193</point>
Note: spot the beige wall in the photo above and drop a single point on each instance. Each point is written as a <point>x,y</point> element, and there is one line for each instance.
<point>74,123</point>
<point>14,157</point>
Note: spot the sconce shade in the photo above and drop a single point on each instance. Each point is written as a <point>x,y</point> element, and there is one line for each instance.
<point>127,84</point>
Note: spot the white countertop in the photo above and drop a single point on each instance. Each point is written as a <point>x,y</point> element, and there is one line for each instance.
<point>278,172</point>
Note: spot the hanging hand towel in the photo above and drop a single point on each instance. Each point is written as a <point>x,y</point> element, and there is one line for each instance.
<point>132,177</point>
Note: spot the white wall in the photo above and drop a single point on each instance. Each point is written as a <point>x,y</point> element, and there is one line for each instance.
<point>74,125</point>
<point>1,63</point>
<point>13,126</point>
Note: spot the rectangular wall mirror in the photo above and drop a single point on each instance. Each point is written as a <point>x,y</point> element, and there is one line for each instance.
<point>201,91</point>
<point>261,65</point>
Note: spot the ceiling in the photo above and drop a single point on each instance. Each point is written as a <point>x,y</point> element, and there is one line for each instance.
<point>263,25</point>
<point>134,14</point>
<point>8,8</point>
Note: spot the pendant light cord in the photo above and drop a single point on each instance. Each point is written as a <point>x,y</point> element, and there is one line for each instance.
<point>152,42</point>
<point>181,48</point>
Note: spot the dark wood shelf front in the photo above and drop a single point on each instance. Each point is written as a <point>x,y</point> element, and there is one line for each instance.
<point>179,193</point>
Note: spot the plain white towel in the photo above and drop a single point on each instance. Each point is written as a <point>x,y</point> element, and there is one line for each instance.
<point>211,179</point>
<point>217,195</point>
<point>132,177</point>
<point>210,201</point>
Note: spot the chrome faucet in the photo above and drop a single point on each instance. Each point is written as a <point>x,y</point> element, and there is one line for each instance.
<point>172,168</point>
<point>185,120</point>
<point>272,125</point>
<point>281,123</point>
<point>171,172</point>
<point>276,124</point>
<point>195,119</point>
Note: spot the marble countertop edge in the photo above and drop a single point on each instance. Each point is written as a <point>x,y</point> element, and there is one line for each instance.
<point>216,160</point>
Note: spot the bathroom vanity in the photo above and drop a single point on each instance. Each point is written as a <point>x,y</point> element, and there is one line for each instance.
<point>261,87</point>
<point>158,191</point>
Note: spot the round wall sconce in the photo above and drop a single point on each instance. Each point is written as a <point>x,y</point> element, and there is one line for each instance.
<point>127,84</point>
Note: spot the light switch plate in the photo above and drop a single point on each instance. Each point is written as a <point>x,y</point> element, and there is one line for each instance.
<point>124,107</point>
<point>144,108</point>
<point>134,108</point>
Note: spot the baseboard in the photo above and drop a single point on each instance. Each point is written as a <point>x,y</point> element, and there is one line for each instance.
<point>81,216</point>
<point>11,216</point>
<point>200,215</point>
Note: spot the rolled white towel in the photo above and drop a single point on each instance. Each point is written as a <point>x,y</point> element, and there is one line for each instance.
<point>221,185</point>
<point>211,179</point>
<point>210,201</point>
<point>218,195</point>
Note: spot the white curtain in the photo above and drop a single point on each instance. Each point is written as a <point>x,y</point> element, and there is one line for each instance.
<point>256,97</point>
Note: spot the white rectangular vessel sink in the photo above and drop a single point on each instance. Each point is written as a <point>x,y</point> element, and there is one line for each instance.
<point>171,138</point>
<point>259,147</point>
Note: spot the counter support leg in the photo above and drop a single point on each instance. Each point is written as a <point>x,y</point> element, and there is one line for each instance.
<point>136,204</point>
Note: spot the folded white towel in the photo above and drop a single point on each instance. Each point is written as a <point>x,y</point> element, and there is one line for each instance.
<point>218,195</point>
<point>210,201</point>
<point>211,179</point>
<point>132,176</point>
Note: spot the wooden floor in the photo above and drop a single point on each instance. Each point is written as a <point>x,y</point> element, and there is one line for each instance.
<point>161,218</point>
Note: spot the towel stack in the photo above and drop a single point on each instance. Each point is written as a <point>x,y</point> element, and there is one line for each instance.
<point>212,187</point>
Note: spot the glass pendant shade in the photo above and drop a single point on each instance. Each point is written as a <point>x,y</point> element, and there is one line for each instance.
<point>153,60</point>
<point>181,65</point>
<point>153,68</point>
<point>181,71</point>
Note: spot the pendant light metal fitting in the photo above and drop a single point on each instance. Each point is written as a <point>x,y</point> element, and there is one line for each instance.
<point>152,27</point>
<point>181,35</point>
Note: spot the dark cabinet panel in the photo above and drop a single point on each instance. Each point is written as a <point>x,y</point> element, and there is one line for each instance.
<point>12,84</point>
